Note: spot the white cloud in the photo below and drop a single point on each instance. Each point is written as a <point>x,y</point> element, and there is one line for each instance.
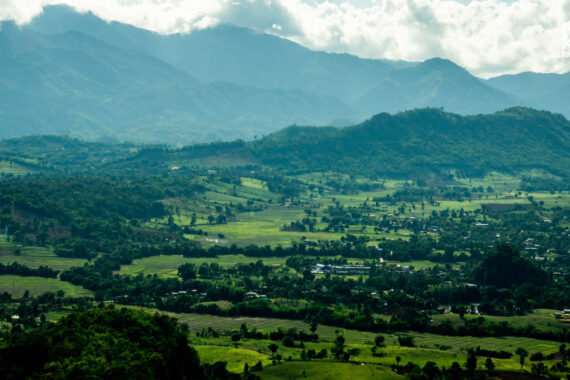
<point>488,37</point>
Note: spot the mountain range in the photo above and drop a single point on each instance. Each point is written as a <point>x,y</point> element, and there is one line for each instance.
<point>71,73</point>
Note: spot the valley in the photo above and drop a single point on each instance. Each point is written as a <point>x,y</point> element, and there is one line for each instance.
<point>230,252</point>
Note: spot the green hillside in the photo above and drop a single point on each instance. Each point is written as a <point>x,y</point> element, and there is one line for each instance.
<point>418,143</point>
<point>427,140</point>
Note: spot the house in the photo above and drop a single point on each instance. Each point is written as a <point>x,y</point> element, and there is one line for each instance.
<point>251,295</point>
<point>254,296</point>
<point>339,269</point>
<point>321,268</point>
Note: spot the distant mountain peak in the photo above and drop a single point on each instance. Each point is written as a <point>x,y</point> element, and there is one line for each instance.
<point>441,64</point>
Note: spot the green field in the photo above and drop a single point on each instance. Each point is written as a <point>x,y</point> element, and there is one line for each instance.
<point>236,357</point>
<point>167,265</point>
<point>265,227</point>
<point>7,167</point>
<point>542,319</point>
<point>17,286</point>
<point>35,257</point>
<point>429,347</point>
<point>327,371</point>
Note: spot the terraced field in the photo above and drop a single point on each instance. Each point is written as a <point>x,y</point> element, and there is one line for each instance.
<point>17,286</point>
<point>35,257</point>
<point>167,265</point>
<point>428,347</point>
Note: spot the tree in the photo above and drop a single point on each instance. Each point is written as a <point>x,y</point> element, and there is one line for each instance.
<point>461,310</point>
<point>406,341</point>
<point>379,341</point>
<point>522,353</point>
<point>539,369</point>
<point>338,348</point>
<point>187,271</point>
<point>273,348</point>
<point>454,372</point>
<point>313,325</point>
<point>236,338</point>
<point>431,370</point>
<point>504,267</point>
<point>308,276</point>
<point>81,339</point>
<point>489,364</point>
<point>471,363</point>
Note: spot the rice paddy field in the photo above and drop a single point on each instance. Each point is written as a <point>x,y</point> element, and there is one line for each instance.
<point>542,319</point>
<point>328,370</point>
<point>265,226</point>
<point>35,257</point>
<point>11,168</point>
<point>18,285</point>
<point>428,347</point>
<point>167,265</point>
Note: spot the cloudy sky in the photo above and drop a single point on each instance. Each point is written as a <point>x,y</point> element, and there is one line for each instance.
<point>488,37</point>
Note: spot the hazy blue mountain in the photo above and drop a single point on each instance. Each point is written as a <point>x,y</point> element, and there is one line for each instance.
<point>232,54</point>
<point>434,83</point>
<point>72,83</point>
<point>545,91</point>
<point>73,73</point>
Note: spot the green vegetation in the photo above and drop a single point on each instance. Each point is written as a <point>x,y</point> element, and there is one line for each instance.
<point>235,357</point>
<point>167,266</point>
<point>299,370</point>
<point>17,286</point>
<point>294,267</point>
<point>103,343</point>
<point>35,257</point>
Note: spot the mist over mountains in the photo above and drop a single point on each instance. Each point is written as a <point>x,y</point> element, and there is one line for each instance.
<point>75,74</point>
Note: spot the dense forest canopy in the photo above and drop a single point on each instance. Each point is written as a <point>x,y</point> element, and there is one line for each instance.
<point>103,343</point>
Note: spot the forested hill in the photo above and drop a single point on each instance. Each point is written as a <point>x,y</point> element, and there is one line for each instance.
<point>427,139</point>
<point>414,143</point>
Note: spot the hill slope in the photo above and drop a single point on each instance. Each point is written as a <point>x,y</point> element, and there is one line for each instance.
<point>418,143</point>
<point>72,73</point>
<point>428,140</point>
<point>231,54</point>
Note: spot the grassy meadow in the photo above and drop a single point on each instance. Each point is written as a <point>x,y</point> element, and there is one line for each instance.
<point>17,286</point>
<point>167,265</point>
<point>35,257</point>
<point>428,347</point>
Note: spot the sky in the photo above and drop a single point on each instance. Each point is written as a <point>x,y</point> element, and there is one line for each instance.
<point>487,37</point>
